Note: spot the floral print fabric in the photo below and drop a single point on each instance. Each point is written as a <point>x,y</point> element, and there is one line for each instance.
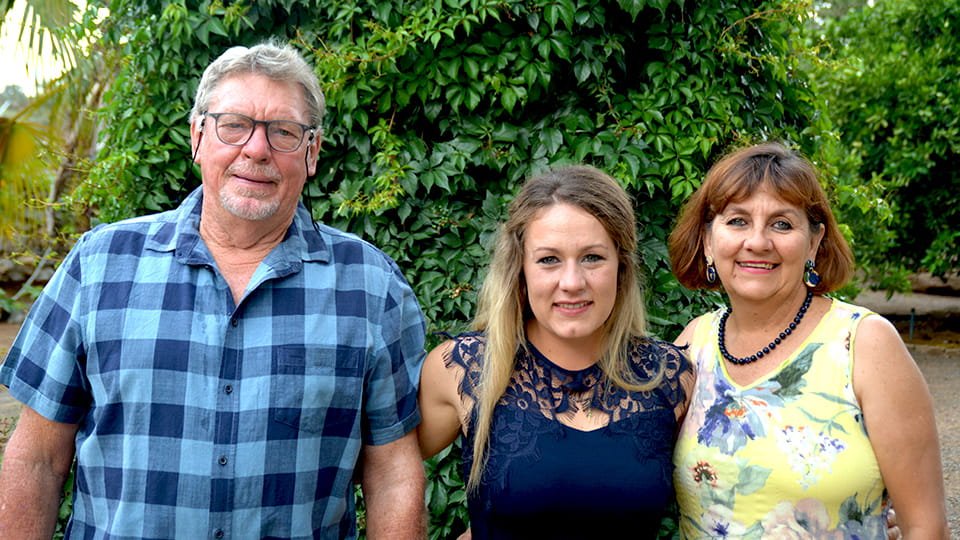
<point>785,457</point>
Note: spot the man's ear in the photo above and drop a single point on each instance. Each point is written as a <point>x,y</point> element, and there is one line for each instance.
<point>196,134</point>
<point>313,150</point>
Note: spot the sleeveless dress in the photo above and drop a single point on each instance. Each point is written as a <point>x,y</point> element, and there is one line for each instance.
<point>785,457</point>
<point>544,479</point>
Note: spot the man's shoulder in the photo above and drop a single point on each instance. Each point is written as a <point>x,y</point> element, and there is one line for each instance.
<point>349,249</point>
<point>139,223</point>
<point>130,234</point>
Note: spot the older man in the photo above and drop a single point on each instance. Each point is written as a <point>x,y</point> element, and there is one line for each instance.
<point>219,370</point>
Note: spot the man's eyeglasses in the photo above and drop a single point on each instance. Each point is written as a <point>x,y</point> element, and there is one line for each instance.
<point>236,129</point>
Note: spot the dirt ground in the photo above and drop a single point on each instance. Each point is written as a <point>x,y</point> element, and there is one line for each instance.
<point>941,368</point>
<point>8,406</point>
<point>937,354</point>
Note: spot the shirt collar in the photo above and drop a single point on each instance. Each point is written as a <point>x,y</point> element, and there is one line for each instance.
<point>179,231</point>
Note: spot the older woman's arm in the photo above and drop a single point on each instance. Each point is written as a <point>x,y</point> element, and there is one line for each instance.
<point>898,411</point>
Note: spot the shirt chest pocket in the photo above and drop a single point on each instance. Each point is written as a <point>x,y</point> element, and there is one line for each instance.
<point>317,390</point>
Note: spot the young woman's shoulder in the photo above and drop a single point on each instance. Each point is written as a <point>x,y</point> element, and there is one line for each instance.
<point>651,355</point>
<point>442,387</point>
<point>656,358</point>
<point>465,350</point>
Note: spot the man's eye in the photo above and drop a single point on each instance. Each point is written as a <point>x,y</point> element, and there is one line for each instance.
<point>283,130</point>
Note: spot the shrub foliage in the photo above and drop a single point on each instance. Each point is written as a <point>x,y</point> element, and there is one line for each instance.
<point>893,85</point>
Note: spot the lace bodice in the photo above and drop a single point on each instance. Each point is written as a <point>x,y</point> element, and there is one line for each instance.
<point>619,470</point>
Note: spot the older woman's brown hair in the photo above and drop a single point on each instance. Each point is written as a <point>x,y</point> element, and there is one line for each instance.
<point>733,179</point>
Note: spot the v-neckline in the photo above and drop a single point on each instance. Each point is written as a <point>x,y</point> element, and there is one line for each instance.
<point>786,362</point>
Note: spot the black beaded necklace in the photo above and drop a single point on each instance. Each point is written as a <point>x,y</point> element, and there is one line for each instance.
<point>773,344</point>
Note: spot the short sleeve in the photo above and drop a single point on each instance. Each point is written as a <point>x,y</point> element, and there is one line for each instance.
<point>648,358</point>
<point>44,368</point>
<point>390,409</point>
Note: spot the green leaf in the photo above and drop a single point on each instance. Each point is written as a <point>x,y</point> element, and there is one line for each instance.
<point>508,98</point>
<point>582,71</point>
<point>552,139</point>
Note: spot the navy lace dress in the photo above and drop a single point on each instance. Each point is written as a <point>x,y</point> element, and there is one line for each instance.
<point>546,479</point>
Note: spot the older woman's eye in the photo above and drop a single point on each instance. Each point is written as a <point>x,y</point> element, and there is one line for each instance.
<point>736,222</point>
<point>782,225</point>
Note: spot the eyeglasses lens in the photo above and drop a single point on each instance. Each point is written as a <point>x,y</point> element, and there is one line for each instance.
<point>236,129</point>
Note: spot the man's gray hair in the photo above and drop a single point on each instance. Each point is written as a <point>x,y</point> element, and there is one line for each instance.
<point>274,60</point>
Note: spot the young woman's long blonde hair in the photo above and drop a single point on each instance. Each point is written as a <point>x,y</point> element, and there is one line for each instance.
<point>503,308</point>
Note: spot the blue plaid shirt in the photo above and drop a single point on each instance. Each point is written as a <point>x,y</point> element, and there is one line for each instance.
<point>199,418</point>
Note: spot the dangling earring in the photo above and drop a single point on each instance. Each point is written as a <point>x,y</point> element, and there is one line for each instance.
<point>711,271</point>
<point>810,276</point>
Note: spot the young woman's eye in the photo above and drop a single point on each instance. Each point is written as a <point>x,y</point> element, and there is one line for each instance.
<point>593,258</point>
<point>549,259</point>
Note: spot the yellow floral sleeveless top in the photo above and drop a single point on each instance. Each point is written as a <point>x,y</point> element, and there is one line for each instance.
<point>785,457</point>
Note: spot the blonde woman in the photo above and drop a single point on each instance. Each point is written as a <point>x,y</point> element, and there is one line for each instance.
<point>568,410</point>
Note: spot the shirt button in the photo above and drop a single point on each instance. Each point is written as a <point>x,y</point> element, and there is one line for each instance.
<point>228,389</point>
<point>218,533</point>
<point>222,461</point>
<point>234,322</point>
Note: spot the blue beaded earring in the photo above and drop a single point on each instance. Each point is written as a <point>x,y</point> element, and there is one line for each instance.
<point>810,276</point>
<point>711,271</point>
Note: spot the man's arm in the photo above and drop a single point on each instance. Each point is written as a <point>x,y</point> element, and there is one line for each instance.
<point>36,462</point>
<point>393,489</point>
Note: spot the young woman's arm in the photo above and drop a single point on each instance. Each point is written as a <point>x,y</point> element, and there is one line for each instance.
<point>441,408</point>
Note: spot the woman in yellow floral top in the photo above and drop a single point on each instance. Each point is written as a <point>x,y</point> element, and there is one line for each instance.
<point>809,415</point>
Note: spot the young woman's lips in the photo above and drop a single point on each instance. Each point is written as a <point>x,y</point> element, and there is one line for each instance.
<point>573,307</point>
